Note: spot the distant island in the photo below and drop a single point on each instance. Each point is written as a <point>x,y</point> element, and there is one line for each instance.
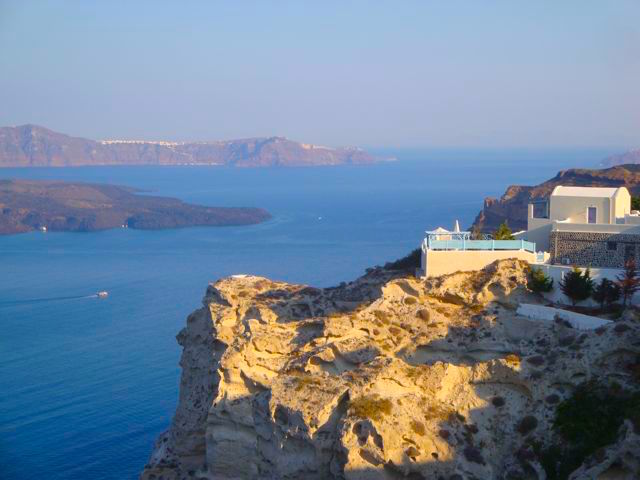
<point>34,146</point>
<point>27,205</point>
<point>630,157</point>
<point>512,206</point>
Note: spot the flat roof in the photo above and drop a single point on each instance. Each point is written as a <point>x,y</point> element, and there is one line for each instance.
<point>599,192</point>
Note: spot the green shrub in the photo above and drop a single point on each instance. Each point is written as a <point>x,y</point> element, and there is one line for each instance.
<point>577,285</point>
<point>606,292</point>
<point>423,314</point>
<point>539,282</point>
<point>586,422</point>
<point>410,300</point>
<point>503,232</point>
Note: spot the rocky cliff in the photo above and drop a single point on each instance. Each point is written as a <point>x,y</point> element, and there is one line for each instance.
<point>512,206</point>
<point>31,145</point>
<point>388,377</point>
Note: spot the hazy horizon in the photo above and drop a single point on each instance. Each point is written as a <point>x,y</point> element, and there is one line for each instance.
<point>411,75</point>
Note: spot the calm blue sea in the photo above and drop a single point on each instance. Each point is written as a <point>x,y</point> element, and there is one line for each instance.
<point>86,384</point>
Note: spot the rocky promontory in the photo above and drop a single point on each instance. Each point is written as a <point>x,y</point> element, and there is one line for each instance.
<point>392,377</point>
<point>27,205</point>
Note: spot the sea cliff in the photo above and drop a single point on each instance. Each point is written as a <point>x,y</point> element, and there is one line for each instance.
<point>387,377</point>
<point>35,146</point>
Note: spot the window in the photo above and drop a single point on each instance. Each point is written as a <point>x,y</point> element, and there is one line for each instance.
<point>592,214</point>
<point>612,246</point>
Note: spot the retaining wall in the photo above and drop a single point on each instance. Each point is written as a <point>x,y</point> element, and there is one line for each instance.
<point>549,314</point>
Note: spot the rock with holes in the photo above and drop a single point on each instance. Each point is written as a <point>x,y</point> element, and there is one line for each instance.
<point>284,381</point>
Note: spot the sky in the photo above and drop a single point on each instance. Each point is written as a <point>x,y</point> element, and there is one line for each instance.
<point>496,74</point>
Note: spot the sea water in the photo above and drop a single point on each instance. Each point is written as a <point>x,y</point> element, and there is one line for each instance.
<point>86,384</point>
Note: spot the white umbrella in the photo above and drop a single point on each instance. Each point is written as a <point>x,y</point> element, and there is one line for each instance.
<point>456,228</point>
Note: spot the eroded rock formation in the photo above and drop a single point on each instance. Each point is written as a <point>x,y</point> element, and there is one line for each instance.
<point>387,377</point>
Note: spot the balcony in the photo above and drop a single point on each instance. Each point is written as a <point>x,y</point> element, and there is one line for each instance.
<point>488,245</point>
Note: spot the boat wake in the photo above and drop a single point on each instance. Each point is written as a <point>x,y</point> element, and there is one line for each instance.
<point>30,301</point>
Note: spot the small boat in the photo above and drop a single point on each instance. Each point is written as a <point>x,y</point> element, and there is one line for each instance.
<point>102,294</point>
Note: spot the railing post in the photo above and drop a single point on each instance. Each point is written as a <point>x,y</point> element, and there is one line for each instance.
<point>493,244</point>
<point>464,243</point>
<point>521,244</point>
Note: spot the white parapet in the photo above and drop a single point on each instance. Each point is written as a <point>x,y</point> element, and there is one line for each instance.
<point>549,314</point>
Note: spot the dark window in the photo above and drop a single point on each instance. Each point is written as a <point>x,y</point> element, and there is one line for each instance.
<point>591,214</point>
<point>612,246</point>
<point>540,210</point>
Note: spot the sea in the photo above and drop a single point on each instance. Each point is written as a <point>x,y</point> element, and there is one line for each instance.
<point>87,383</point>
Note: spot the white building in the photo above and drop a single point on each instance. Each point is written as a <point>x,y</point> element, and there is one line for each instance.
<point>580,209</point>
<point>585,226</point>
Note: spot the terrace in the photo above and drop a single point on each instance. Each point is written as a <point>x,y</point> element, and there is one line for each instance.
<point>443,240</point>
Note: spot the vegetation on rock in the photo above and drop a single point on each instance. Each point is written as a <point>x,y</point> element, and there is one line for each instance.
<point>539,282</point>
<point>503,232</point>
<point>370,406</point>
<point>409,262</point>
<point>629,281</point>
<point>577,285</point>
<point>586,422</point>
<point>606,293</point>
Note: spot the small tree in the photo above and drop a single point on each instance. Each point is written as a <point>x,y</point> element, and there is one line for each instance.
<point>628,281</point>
<point>503,232</point>
<point>606,292</point>
<point>577,285</point>
<point>613,294</point>
<point>539,282</point>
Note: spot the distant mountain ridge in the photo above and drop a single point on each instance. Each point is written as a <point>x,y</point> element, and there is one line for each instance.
<point>35,146</point>
<point>626,158</point>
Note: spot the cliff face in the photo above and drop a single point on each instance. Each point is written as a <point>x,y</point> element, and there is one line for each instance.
<point>386,377</point>
<point>512,206</point>
<point>30,145</point>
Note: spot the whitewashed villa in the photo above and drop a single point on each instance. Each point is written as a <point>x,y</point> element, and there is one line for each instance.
<point>575,226</point>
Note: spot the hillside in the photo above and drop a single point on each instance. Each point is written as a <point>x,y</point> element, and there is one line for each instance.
<point>632,156</point>
<point>27,205</point>
<point>390,377</point>
<point>512,206</point>
<point>34,146</point>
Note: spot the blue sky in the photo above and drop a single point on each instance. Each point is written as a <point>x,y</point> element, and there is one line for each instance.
<point>385,73</point>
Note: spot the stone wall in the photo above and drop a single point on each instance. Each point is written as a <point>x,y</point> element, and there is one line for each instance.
<point>604,250</point>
